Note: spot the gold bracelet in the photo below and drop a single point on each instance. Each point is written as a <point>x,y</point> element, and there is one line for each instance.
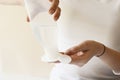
<point>102,51</point>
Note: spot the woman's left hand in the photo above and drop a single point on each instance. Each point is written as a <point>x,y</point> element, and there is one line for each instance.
<point>83,52</point>
<point>54,9</point>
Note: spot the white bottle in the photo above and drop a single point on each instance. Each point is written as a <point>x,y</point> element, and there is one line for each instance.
<point>45,29</point>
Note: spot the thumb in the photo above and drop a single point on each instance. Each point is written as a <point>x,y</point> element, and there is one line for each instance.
<point>75,49</point>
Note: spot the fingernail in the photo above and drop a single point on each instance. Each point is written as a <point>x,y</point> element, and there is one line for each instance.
<point>80,53</point>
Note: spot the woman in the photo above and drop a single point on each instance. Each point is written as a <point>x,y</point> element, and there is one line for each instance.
<point>94,60</point>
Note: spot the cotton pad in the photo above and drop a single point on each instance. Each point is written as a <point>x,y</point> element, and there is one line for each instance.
<point>57,57</point>
<point>64,58</point>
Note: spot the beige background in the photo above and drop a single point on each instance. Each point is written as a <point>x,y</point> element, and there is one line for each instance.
<point>19,50</point>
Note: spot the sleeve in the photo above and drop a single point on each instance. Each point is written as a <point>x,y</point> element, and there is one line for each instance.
<point>65,72</point>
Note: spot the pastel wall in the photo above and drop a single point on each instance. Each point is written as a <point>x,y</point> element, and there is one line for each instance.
<point>19,50</point>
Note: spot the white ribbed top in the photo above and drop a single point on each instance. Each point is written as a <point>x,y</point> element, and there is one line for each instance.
<point>90,20</point>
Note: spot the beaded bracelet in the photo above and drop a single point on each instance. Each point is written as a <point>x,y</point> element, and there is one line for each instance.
<point>102,51</point>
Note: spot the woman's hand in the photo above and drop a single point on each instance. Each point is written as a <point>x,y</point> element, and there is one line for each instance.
<point>83,52</point>
<point>54,10</point>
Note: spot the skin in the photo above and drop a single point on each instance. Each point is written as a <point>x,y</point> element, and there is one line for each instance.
<point>84,51</point>
<point>54,10</point>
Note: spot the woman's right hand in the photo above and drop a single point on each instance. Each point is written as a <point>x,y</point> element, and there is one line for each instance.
<point>54,10</point>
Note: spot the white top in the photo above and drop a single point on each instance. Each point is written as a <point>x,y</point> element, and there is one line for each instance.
<point>88,20</point>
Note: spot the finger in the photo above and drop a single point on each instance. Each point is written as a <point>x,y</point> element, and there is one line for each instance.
<point>77,56</point>
<point>28,20</point>
<point>54,6</point>
<point>62,53</point>
<point>57,14</point>
<point>75,59</point>
<point>50,0</point>
<point>54,62</point>
<point>81,47</point>
<point>80,58</point>
<point>72,50</point>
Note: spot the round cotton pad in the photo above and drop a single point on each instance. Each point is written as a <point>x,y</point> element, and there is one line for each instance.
<point>65,59</point>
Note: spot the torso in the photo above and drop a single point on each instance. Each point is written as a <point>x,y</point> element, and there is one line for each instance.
<point>90,20</point>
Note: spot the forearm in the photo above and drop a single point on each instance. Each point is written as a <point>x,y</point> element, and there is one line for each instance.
<point>12,2</point>
<point>112,58</point>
